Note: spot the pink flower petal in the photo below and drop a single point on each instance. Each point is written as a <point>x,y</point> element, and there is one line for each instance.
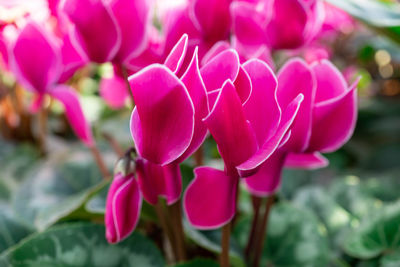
<point>72,59</point>
<point>177,55</point>
<point>308,161</point>
<point>212,18</point>
<point>248,167</point>
<point>197,91</point>
<point>267,179</point>
<point>334,121</point>
<point>222,67</point>
<point>132,18</point>
<point>296,77</point>
<point>217,48</point>
<point>159,181</point>
<point>330,82</point>
<point>123,205</point>
<point>243,85</point>
<point>210,199</point>
<point>262,108</point>
<point>35,58</point>
<point>228,125</point>
<point>73,111</point>
<point>97,31</point>
<point>162,122</point>
<point>114,91</point>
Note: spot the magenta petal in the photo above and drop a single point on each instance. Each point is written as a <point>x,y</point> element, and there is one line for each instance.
<point>177,55</point>
<point>308,161</point>
<point>159,181</point>
<point>96,31</point>
<point>73,111</point>
<point>248,24</point>
<point>296,77</point>
<point>123,207</point>
<point>330,82</point>
<point>35,58</point>
<point>114,91</point>
<point>262,108</point>
<point>210,199</point>
<point>222,67</point>
<point>132,18</point>
<point>212,18</point>
<point>212,97</point>
<point>247,168</point>
<point>243,85</point>
<point>197,91</point>
<point>286,27</point>
<point>217,48</point>
<point>334,121</point>
<point>268,177</point>
<point>228,125</point>
<point>162,123</point>
<point>36,103</point>
<point>72,59</point>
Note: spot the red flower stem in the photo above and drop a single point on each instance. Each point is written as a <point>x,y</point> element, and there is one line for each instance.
<point>261,235</point>
<point>199,156</point>
<point>42,129</point>
<point>99,161</point>
<point>128,86</point>
<point>114,144</point>
<point>164,226</point>
<point>256,201</point>
<point>177,228</point>
<point>226,234</point>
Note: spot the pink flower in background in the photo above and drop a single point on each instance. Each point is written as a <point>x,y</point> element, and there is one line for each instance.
<point>36,59</point>
<point>325,121</point>
<point>123,204</point>
<point>283,24</point>
<point>248,126</point>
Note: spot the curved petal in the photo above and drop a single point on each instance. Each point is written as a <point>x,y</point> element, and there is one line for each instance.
<point>248,24</point>
<point>162,123</point>
<point>212,18</point>
<point>212,97</point>
<point>210,199</point>
<point>309,161</point>
<point>72,59</point>
<point>114,91</point>
<point>217,48</point>
<point>73,111</point>
<point>123,205</point>
<point>97,31</point>
<point>197,91</point>
<point>159,181</point>
<point>334,121</point>
<point>35,58</point>
<point>228,125</point>
<point>262,109</point>
<point>267,179</point>
<point>286,27</point>
<point>330,82</point>
<point>296,77</point>
<point>132,18</point>
<point>222,67</point>
<point>248,167</point>
<point>243,85</point>
<point>175,58</point>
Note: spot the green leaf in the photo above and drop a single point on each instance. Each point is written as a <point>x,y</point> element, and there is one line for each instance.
<point>377,234</point>
<point>390,259</point>
<point>11,230</point>
<point>198,263</point>
<point>81,244</point>
<point>211,240</point>
<point>383,17</point>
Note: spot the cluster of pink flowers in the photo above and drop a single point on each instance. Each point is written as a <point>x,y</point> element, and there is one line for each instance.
<point>260,121</point>
<point>208,70</point>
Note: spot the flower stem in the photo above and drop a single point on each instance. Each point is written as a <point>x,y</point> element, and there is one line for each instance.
<point>256,201</point>
<point>261,235</point>
<point>43,130</point>
<point>165,227</point>
<point>226,233</point>
<point>99,161</point>
<point>128,86</point>
<point>177,228</point>
<point>199,156</point>
<point>114,144</point>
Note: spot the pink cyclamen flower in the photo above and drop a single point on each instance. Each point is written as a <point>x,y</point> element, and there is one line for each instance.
<point>279,24</point>
<point>166,127</point>
<point>325,121</point>
<point>248,126</point>
<point>36,61</point>
<point>123,206</point>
